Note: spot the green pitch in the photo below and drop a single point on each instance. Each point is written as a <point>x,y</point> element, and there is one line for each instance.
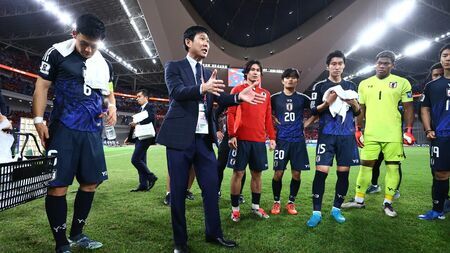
<point>139,222</point>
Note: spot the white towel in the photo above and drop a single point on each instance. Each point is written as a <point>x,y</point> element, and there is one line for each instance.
<point>97,70</point>
<point>339,106</point>
<point>6,141</point>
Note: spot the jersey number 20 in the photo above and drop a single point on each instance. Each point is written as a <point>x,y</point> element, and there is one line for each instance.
<point>289,116</point>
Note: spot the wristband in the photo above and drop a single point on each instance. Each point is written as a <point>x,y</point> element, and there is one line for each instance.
<point>38,120</point>
<point>427,131</point>
<point>112,105</point>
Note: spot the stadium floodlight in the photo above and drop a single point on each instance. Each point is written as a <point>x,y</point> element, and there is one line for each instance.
<point>373,33</point>
<point>417,47</point>
<point>146,48</point>
<point>398,13</point>
<point>101,45</point>
<point>51,7</point>
<point>365,70</point>
<point>353,49</point>
<point>64,18</point>
<point>134,25</point>
<point>154,61</point>
<point>125,7</point>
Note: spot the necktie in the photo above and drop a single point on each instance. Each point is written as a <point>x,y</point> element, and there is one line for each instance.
<point>198,74</point>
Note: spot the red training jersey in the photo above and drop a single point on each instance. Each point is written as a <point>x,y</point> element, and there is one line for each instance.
<point>250,122</point>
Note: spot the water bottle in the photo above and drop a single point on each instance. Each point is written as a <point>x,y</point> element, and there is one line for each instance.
<point>110,132</point>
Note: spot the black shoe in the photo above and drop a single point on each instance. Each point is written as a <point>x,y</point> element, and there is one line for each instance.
<point>64,249</point>
<point>189,195</point>
<point>181,249</point>
<point>222,242</point>
<point>151,182</point>
<point>167,199</point>
<point>140,189</point>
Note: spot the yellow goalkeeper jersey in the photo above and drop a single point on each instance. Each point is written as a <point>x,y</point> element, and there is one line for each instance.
<point>381,98</point>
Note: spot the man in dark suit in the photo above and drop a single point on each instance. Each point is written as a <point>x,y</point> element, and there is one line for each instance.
<point>139,158</point>
<point>188,133</point>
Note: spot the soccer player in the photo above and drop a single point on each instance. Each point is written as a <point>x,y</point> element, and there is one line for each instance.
<point>379,96</point>
<point>288,106</point>
<point>436,71</point>
<point>248,128</point>
<point>336,135</point>
<point>80,76</point>
<point>435,114</point>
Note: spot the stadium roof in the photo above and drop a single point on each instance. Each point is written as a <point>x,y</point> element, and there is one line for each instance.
<point>300,33</point>
<point>31,26</point>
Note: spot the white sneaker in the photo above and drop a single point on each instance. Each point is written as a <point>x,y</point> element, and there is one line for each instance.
<point>260,213</point>
<point>353,204</point>
<point>389,210</point>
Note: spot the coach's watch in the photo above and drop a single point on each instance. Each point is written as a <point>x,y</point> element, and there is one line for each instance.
<point>38,120</point>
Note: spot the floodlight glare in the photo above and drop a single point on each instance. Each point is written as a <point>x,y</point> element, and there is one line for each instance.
<point>397,13</point>
<point>416,47</point>
<point>373,33</point>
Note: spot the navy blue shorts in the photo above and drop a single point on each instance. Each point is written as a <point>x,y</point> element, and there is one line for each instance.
<point>342,146</point>
<point>248,152</point>
<point>77,154</point>
<point>295,152</point>
<point>439,154</point>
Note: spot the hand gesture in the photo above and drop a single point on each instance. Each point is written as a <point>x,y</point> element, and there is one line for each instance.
<point>250,96</point>
<point>213,85</point>
<point>272,145</point>
<point>331,97</point>
<point>42,131</point>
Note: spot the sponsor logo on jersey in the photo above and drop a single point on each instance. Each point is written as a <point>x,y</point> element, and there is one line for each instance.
<point>409,94</point>
<point>393,85</point>
<point>45,68</point>
<point>289,106</point>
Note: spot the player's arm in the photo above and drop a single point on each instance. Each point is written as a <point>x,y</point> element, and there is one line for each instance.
<point>425,114</point>
<point>408,114</point>
<point>317,105</point>
<point>112,110</point>
<point>270,131</point>
<point>231,120</point>
<point>39,105</point>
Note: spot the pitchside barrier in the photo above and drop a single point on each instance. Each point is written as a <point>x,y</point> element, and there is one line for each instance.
<point>25,179</point>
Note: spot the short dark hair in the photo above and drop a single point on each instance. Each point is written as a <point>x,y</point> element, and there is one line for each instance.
<point>91,26</point>
<point>437,65</point>
<point>336,53</point>
<point>144,92</point>
<point>249,65</point>
<point>445,47</point>
<point>386,54</point>
<point>290,72</point>
<point>191,32</point>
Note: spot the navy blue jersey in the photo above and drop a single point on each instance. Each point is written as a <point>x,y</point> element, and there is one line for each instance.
<point>75,104</point>
<point>437,96</point>
<point>327,123</point>
<point>289,112</point>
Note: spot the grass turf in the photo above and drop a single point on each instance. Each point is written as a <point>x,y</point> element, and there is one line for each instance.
<point>139,222</point>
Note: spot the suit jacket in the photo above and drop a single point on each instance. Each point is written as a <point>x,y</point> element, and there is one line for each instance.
<point>178,128</point>
<point>151,118</point>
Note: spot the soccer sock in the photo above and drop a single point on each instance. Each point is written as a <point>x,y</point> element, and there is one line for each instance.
<point>256,197</point>
<point>82,207</point>
<point>376,172</point>
<point>56,209</point>
<point>318,189</point>
<point>276,188</point>
<point>243,182</point>
<point>341,188</point>
<point>440,194</point>
<point>362,183</point>
<point>391,180</point>
<point>295,185</point>
<point>235,200</point>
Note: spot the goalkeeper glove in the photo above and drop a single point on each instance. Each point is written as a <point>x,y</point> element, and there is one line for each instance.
<point>408,137</point>
<point>359,137</point>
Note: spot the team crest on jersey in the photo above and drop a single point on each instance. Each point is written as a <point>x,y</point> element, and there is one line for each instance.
<point>289,106</point>
<point>45,68</point>
<point>409,94</point>
<point>393,85</point>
